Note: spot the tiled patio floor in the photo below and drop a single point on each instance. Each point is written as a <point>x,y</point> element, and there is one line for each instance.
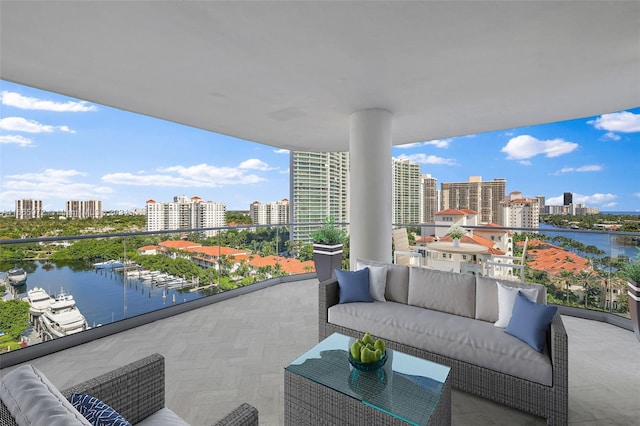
<point>235,350</point>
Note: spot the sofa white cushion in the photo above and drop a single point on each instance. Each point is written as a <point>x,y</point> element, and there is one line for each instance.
<point>487,296</point>
<point>442,291</point>
<point>506,300</point>
<point>377,280</point>
<point>33,400</point>
<point>397,288</point>
<point>163,417</point>
<point>456,337</point>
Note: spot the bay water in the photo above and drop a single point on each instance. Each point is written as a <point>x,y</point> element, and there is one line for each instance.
<point>103,296</point>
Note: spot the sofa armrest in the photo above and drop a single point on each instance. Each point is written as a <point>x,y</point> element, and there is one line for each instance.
<point>244,415</point>
<point>328,295</point>
<point>559,348</point>
<point>135,390</point>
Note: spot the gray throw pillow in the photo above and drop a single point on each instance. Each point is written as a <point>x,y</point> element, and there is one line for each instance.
<point>442,291</point>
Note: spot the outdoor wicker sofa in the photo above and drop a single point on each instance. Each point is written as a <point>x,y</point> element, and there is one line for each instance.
<point>137,392</point>
<point>548,401</point>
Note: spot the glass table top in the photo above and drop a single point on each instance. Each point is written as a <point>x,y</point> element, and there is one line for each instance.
<point>406,387</point>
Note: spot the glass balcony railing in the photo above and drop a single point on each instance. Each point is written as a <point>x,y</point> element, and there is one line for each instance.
<point>105,283</point>
<point>581,269</point>
<point>61,286</point>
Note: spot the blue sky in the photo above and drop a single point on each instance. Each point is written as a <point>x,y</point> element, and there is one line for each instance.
<point>57,148</point>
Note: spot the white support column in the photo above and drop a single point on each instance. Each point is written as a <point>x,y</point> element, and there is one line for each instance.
<point>370,185</point>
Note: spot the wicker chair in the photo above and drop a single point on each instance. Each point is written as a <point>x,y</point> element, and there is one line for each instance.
<point>136,391</point>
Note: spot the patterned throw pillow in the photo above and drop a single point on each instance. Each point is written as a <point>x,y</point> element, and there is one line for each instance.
<point>97,412</point>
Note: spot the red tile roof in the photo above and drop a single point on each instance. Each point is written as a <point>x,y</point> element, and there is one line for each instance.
<point>178,244</point>
<point>451,212</point>
<point>215,250</point>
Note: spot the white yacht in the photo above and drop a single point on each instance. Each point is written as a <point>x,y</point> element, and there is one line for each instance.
<point>17,276</point>
<point>62,318</point>
<point>39,300</point>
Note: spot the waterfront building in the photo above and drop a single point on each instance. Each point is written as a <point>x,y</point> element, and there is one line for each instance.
<point>483,197</point>
<point>76,209</point>
<point>186,213</point>
<point>273,213</point>
<point>429,197</point>
<point>542,201</point>
<point>582,210</point>
<point>28,209</point>
<point>567,198</point>
<point>520,212</point>
<point>405,191</point>
<point>319,188</point>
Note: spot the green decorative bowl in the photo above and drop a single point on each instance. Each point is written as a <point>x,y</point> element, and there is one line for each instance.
<point>368,366</point>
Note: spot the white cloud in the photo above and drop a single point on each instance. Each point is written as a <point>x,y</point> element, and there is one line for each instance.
<point>438,143</point>
<point>23,102</point>
<point>19,124</point>
<point>526,163</point>
<point>636,194</point>
<point>281,151</point>
<point>201,176</point>
<point>526,146</point>
<point>254,164</point>
<point>587,168</point>
<point>612,136</point>
<point>624,122</point>
<point>20,140</point>
<point>284,172</point>
<point>588,200</point>
<point>52,184</point>
<point>428,159</point>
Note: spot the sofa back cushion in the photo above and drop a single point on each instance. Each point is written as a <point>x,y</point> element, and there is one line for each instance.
<point>397,288</point>
<point>442,291</point>
<point>33,400</point>
<point>487,296</point>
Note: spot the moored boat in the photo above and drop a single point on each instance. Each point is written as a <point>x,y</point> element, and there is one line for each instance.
<point>16,276</point>
<point>109,264</point>
<point>62,318</point>
<point>39,301</point>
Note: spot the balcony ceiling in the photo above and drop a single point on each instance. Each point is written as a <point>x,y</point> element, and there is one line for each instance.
<point>288,74</point>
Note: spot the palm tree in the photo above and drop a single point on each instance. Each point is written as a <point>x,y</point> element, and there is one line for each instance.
<point>567,277</point>
<point>589,280</point>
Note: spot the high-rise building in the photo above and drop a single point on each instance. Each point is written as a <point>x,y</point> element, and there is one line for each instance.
<point>269,213</point>
<point>186,213</point>
<point>28,209</point>
<point>77,209</point>
<point>319,188</point>
<point>482,197</point>
<point>520,212</point>
<point>567,198</point>
<point>542,202</point>
<point>405,191</point>
<point>429,196</point>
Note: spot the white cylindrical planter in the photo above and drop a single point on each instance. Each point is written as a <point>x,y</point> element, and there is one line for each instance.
<point>370,185</point>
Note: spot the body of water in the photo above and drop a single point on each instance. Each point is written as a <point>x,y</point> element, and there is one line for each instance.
<point>605,242</point>
<point>102,295</point>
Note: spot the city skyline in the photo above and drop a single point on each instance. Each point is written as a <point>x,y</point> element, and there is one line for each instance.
<point>56,148</point>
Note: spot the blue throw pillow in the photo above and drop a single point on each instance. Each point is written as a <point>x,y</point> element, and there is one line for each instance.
<point>97,412</point>
<point>530,321</point>
<point>354,286</point>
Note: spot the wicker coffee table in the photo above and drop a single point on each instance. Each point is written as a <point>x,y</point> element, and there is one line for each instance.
<point>322,388</point>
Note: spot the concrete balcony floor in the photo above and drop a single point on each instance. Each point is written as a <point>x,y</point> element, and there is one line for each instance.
<point>235,350</point>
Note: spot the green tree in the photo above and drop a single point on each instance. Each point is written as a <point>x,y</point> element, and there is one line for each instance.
<point>14,318</point>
